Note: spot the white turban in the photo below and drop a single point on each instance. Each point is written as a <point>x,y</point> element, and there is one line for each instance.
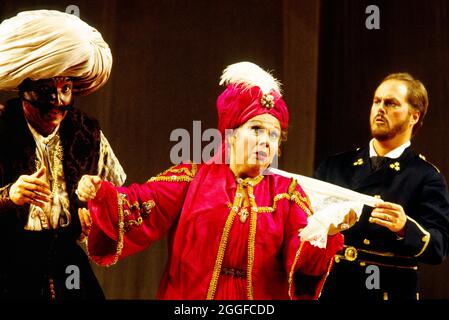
<point>43,44</point>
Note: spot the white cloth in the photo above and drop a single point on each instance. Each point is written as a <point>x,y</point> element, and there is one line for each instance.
<point>330,204</point>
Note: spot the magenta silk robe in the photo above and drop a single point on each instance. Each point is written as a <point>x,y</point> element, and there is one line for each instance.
<point>214,252</point>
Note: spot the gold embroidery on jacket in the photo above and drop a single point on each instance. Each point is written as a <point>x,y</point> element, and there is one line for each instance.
<point>188,174</point>
<point>251,242</point>
<point>221,249</point>
<point>292,271</point>
<point>121,230</point>
<point>144,211</point>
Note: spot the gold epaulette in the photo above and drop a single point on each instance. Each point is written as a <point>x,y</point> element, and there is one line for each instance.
<point>424,158</point>
<point>302,201</point>
<point>292,186</point>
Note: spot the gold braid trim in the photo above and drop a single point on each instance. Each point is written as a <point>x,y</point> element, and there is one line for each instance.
<point>222,248</point>
<point>325,277</point>
<point>187,176</point>
<point>121,231</point>
<point>251,241</point>
<point>194,169</point>
<point>292,271</point>
<point>189,173</point>
<point>302,202</point>
<point>265,210</point>
<point>275,200</point>
<point>121,226</point>
<point>278,197</point>
<point>292,186</point>
<point>425,238</point>
<point>171,179</point>
<point>304,199</point>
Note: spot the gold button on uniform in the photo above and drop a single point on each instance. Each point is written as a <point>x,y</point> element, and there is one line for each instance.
<point>350,253</point>
<point>366,241</point>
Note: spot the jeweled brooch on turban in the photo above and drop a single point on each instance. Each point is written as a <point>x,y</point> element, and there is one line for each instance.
<point>267,100</point>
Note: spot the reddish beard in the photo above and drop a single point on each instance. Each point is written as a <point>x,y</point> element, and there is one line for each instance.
<point>386,132</point>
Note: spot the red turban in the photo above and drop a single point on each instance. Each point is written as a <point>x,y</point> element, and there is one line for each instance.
<point>237,104</point>
<point>250,92</point>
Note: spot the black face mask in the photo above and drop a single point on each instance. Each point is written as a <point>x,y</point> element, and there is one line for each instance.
<point>45,106</point>
<point>42,97</point>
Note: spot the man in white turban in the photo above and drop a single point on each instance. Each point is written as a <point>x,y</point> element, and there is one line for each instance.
<point>46,145</point>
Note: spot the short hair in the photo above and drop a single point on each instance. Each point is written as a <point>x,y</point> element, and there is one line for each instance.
<point>416,95</point>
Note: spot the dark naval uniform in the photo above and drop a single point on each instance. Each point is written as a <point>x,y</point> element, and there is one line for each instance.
<point>376,263</point>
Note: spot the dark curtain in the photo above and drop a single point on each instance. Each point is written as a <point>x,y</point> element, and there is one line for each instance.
<point>168,57</point>
<point>413,37</point>
<point>169,54</point>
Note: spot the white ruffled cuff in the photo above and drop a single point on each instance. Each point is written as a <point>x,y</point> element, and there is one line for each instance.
<point>316,231</point>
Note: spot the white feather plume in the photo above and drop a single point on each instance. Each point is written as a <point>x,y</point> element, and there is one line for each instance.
<point>249,74</point>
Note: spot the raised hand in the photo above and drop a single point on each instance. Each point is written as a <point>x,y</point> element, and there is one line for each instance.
<point>31,189</point>
<point>88,187</point>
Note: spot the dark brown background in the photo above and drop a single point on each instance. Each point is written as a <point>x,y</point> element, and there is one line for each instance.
<point>169,54</point>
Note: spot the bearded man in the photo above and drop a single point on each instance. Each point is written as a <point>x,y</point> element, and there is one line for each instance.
<point>411,226</point>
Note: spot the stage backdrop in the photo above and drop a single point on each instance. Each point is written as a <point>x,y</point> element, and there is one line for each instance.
<point>413,37</point>
<point>169,54</point>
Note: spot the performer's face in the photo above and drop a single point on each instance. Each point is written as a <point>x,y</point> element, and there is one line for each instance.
<point>391,114</point>
<point>46,102</point>
<point>254,145</point>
